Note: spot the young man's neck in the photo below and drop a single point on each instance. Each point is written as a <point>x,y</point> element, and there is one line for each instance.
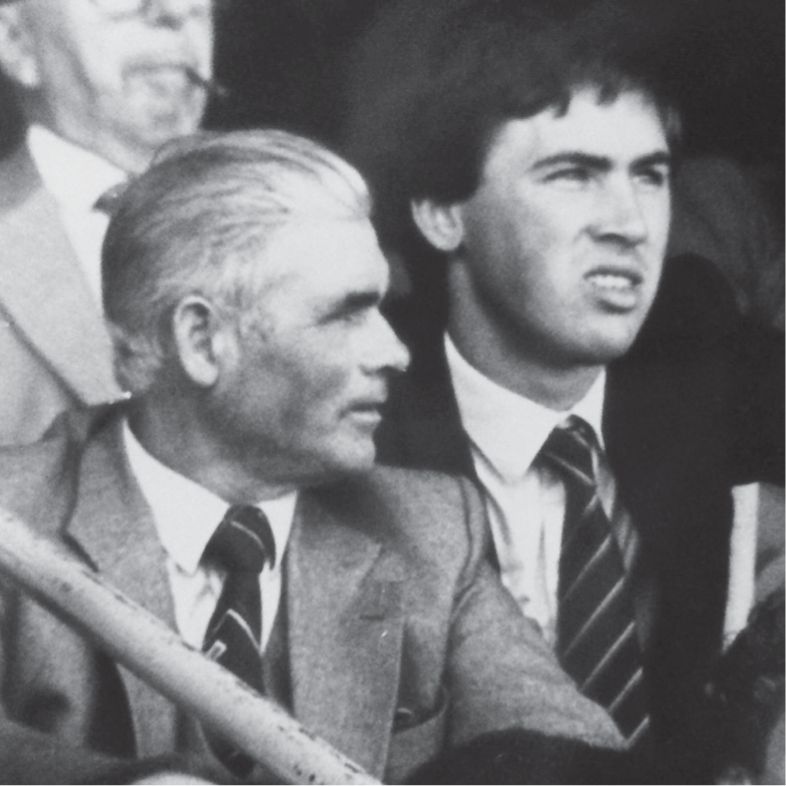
<point>556,388</point>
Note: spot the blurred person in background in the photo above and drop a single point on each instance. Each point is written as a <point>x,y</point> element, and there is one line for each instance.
<point>101,85</point>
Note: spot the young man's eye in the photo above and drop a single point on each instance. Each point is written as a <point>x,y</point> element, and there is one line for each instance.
<point>572,174</point>
<point>655,178</point>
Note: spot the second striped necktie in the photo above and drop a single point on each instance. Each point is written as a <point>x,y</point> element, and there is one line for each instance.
<point>597,642</point>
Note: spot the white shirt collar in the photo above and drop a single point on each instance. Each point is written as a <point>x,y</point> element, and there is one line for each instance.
<point>507,428</point>
<point>186,514</point>
<point>75,177</point>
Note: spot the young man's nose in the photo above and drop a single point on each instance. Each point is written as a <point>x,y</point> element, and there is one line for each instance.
<point>621,216</point>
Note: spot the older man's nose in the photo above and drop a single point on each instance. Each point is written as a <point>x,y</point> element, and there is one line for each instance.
<point>384,350</point>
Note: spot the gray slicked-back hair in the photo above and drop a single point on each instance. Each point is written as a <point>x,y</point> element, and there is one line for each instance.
<point>198,221</point>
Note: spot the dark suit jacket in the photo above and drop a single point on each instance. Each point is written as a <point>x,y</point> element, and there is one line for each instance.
<point>400,639</point>
<point>55,351</point>
<point>695,407</point>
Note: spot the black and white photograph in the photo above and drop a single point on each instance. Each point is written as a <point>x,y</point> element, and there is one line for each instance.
<point>392,391</point>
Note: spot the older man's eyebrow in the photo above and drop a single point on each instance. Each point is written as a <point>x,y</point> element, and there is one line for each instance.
<point>352,302</point>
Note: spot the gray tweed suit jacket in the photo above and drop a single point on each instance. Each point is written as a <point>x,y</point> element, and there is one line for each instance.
<point>400,640</point>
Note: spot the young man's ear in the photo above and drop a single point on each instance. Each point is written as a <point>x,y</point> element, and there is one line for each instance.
<point>18,59</point>
<point>201,339</point>
<point>442,225</point>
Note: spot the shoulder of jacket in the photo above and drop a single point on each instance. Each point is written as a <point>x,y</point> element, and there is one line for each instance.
<point>38,481</point>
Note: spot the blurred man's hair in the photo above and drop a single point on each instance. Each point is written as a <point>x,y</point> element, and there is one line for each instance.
<point>199,220</point>
<point>432,82</point>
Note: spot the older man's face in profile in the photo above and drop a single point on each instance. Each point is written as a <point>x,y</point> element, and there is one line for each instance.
<point>122,69</point>
<point>303,392</point>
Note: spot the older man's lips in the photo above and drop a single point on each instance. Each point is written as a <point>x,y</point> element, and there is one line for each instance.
<point>367,412</point>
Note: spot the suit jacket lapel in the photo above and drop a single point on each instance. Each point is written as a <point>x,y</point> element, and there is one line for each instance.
<point>645,459</point>
<point>345,628</point>
<point>39,267</point>
<point>113,526</point>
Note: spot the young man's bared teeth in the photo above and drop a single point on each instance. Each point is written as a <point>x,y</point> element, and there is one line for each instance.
<point>611,281</point>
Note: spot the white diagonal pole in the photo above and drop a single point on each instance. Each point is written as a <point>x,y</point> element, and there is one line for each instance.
<point>155,653</point>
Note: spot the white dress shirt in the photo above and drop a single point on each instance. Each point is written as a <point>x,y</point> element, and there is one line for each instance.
<point>525,502</point>
<point>75,178</point>
<point>186,515</point>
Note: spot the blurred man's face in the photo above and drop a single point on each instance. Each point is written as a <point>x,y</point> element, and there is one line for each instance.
<point>303,395</point>
<point>112,76</point>
<point>563,241</point>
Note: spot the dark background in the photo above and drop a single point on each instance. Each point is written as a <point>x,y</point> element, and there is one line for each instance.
<point>724,58</point>
<point>282,60</point>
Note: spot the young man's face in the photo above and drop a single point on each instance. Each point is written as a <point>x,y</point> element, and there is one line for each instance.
<point>303,396</point>
<point>111,76</point>
<point>563,241</point>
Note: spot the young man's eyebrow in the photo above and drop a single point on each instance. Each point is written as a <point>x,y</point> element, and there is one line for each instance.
<point>574,158</point>
<point>599,163</point>
<point>658,158</point>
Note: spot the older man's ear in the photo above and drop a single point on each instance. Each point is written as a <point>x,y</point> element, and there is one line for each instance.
<point>202,339</point>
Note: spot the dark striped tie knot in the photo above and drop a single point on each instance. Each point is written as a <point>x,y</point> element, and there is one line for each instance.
<point>243,541</point>
<point>569,448</point>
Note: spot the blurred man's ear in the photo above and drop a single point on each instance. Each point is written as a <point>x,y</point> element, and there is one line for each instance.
<point>441,225</point>
<point>17,53</point>
<point>202,340</point>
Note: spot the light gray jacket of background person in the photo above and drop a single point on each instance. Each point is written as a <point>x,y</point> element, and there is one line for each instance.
<point>55,352</point>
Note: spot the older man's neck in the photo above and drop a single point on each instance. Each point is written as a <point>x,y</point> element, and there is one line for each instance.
<point>173,436</point>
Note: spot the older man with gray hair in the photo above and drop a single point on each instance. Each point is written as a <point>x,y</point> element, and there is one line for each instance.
<point>101,84</point>
<point>235,496</point>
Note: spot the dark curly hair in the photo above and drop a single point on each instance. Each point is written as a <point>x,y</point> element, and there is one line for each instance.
<point>430,84</point>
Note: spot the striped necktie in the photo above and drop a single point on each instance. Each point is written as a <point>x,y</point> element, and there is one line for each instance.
<point>596,630</point>
<point>241,545</point>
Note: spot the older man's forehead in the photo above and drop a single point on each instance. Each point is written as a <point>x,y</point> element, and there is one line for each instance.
<point>123,7</point>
